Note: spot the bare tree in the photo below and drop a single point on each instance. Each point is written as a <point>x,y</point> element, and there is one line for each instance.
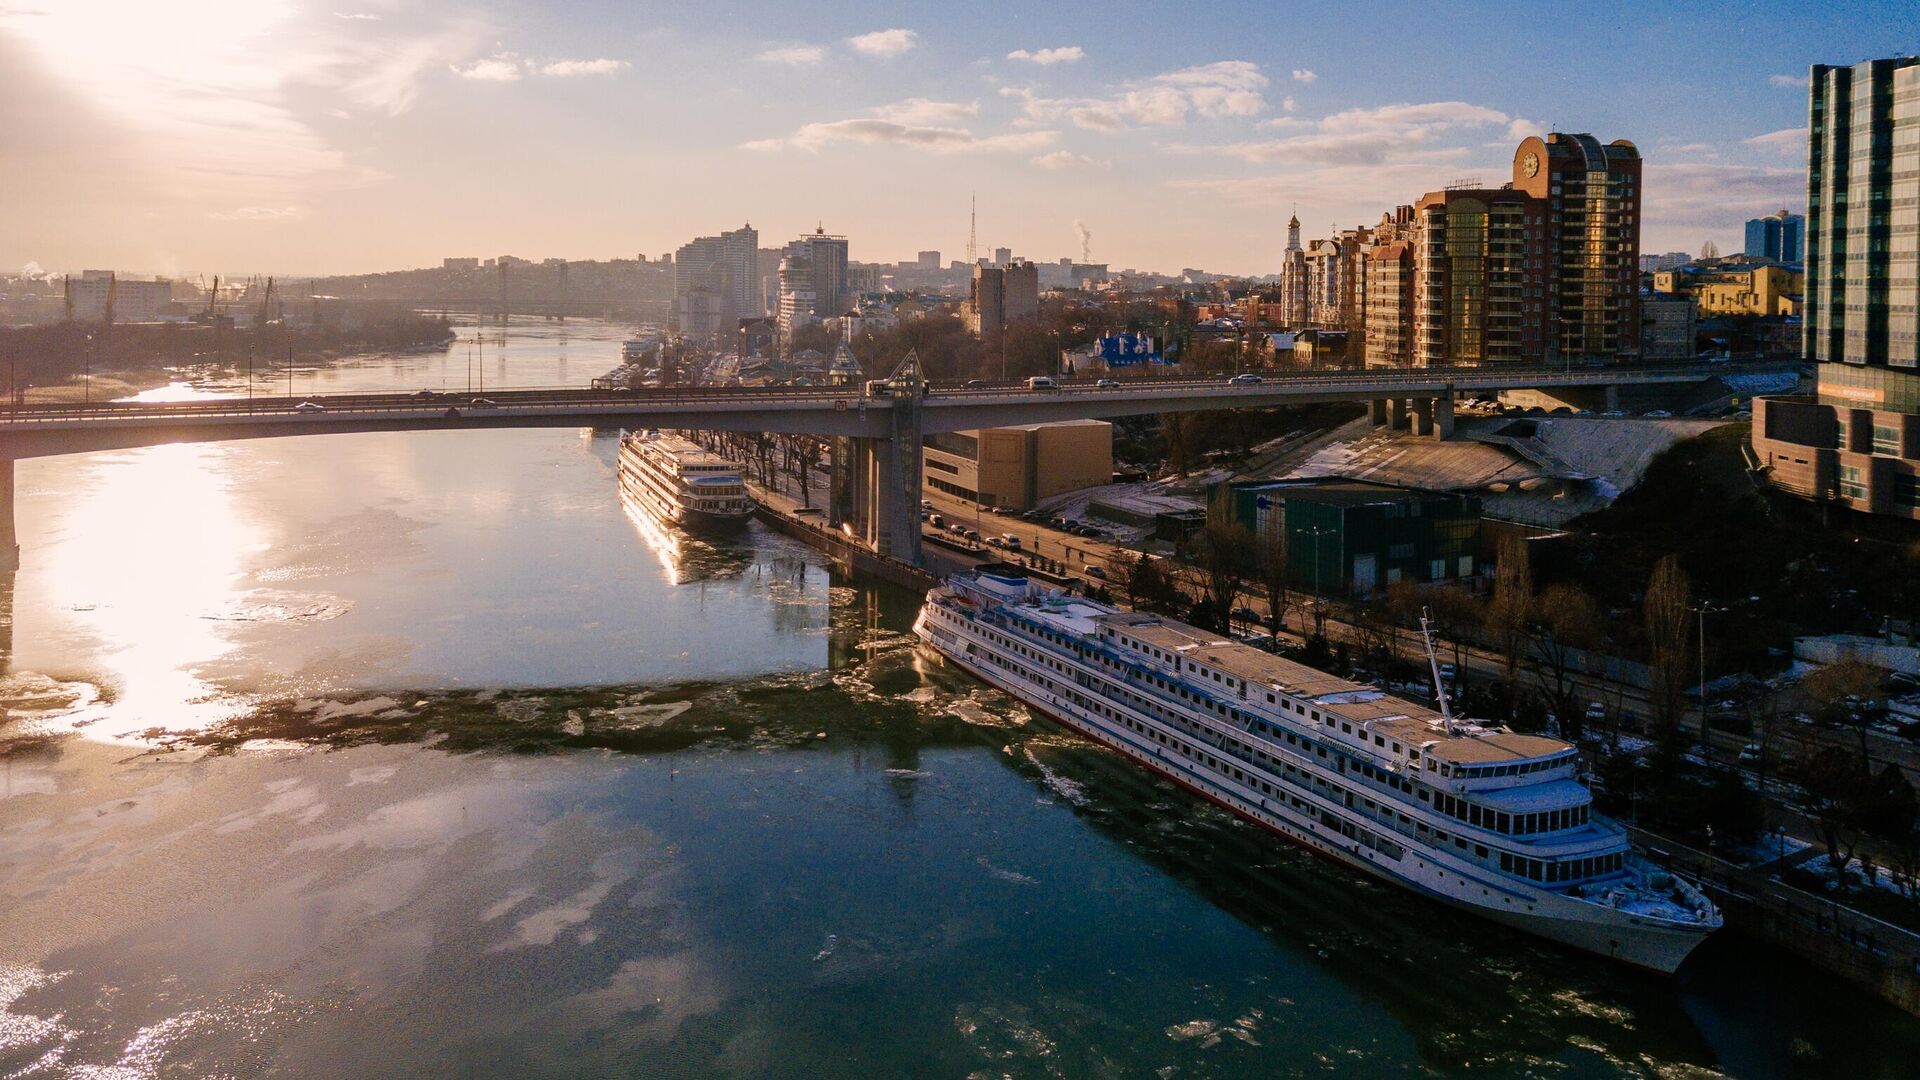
<point>1566,622</point>
<point>1844,692</point>
<point>1271,569</point>
<point>1222,554</point>
<point>1512,607</point>
<point>1669,647</point>
<point>1177,429</point>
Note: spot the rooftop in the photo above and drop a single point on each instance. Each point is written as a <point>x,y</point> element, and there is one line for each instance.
<point>1369,709</point>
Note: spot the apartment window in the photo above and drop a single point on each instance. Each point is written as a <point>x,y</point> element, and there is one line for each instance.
<point>1850,484</point>
<point>1906,490</point>
<point>1886,440</point>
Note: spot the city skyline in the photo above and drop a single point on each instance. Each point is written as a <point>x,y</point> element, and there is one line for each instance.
<point>305,138</point>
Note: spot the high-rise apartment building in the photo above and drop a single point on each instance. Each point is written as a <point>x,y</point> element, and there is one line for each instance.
<point>1857,440</point>
<point>1591,192</point>
<point>929,260</point>
<point>1324,274</point>
<point>1479,256</point>
<point>716,282</point>
<point>1776,236</point>
<point>1389,305</point>
<point>799,299</point>
<point>1002,256</point>
<point>1002,296</point>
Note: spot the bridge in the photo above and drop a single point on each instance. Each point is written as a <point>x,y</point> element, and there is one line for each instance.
<point>884,428</point>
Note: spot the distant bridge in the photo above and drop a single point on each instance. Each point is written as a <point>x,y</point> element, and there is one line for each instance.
<point>885,431</point>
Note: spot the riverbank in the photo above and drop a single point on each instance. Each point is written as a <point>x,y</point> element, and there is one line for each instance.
<point>102,386</point>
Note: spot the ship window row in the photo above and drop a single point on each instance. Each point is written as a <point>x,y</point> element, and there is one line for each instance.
<point>1250,753</point>
<point>1275,766</point>
<point>1569,817</point>
<point>1522,768</point>
<point>1556,872</point>
<point>1255,782</point>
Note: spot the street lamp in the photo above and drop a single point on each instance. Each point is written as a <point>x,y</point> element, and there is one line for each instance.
<point>1706,736</point>
<point>1317,532</point>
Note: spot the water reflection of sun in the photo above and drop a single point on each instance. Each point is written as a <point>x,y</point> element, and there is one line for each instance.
<point>150,543</point>
<point>668,544</point>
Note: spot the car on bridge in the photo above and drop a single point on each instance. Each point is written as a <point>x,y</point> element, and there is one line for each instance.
<point>1245,380</point>
<point>309,407</point>
<point>1042,382</point>
<point>1106,384</point>
<point>483,403</point>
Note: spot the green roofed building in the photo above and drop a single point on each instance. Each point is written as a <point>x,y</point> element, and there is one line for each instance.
<point>1355,536</point>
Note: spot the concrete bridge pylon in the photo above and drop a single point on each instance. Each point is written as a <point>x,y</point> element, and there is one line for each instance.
<point>9,540</point>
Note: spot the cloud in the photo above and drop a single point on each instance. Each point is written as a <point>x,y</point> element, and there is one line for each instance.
<point>1791,142</point>
<point>1226,88</point>
<point>509,67</point>
<point>884,44</point>
<point>1065,54</point>
<point>1063,159</point>
<point>564,69</point>
<point>500,67</point>
<point>792,55</point>
<point>221,110</point>
<point>260,213</point>
<point>1287,104</point>
<point>1303,75</point>
<point>1688,201</point>
<point>1366,136</point>
<point>368,15</point>
<point>878,131</point>
<point>1800,81</point>
<point>921,111</point>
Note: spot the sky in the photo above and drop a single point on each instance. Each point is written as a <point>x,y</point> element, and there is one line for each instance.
<point>345,136</point>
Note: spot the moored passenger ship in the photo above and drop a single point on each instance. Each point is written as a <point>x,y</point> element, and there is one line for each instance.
<point>675,480</point>
<point>1484,819</point>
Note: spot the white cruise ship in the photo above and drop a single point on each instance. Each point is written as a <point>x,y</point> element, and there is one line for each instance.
<point>675,480</point>
<point>1479,817</point>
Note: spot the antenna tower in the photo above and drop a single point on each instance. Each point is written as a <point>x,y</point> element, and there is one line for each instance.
<point>973,235</point>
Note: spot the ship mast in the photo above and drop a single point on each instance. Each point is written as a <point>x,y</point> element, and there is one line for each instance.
<point>1433,665</point>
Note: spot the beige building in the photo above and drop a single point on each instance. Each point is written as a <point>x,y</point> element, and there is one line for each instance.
<point>1762,290</point>
<point>1002,296</point>
<point>1019,466</point>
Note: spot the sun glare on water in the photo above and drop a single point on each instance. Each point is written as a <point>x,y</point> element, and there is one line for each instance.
<point>147,551</point>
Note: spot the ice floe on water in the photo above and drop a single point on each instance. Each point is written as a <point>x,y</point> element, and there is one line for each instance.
<point>274,605</point>
<point>1071,790</point>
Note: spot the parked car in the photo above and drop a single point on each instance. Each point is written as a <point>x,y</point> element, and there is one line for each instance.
<point>1246,614</point>
<point>806,511</point>
<point>1011,541</point>
<point>1750,754</point>
<point>1447,673</point>
<point>1596,711</point>
<point>1094,570</point>
<point>994,542</point>
<point>973,535</point>
<point>936,521</point>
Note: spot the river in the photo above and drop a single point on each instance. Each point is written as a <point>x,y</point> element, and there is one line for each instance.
<point>416,754</point>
